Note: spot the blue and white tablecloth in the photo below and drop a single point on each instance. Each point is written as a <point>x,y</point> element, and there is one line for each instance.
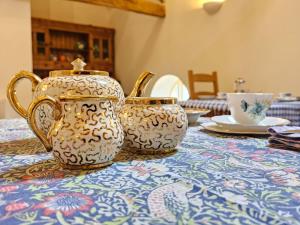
<point>210,179</point>
<point>286,110</point>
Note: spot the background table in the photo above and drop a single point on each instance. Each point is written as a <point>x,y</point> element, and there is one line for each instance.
<point>286,110</point>
<point>210,179</point>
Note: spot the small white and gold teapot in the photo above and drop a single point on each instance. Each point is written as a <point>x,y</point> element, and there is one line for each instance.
<point>71,82</point>
<point>86,134</point>
<point>153,125</point>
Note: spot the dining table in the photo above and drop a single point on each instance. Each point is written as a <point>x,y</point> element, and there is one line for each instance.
<point>289,110</point>
<point>209,178</point>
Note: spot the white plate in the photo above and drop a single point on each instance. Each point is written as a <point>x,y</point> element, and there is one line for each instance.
<point>226,121</point>
<point>211,126</point>
<point>287,99</point>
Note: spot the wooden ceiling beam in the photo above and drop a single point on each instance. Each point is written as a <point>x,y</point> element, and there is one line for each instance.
<point>140,6</point>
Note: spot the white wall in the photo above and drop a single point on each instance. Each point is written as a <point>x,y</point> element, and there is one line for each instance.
<point>15,49</point>
<point>256,39</point>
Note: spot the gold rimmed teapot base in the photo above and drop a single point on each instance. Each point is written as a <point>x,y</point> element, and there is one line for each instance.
<point>86,166</point>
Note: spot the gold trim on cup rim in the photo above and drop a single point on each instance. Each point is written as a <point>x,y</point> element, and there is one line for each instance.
<point>65,98</point>
<point>59,73</point>
<point>150,101</point>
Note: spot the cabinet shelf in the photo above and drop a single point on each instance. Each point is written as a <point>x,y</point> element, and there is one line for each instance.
<point>68,49</point>
<point>56,44</point>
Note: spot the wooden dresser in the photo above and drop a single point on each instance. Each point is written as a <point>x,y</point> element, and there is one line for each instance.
<point>56,44</point>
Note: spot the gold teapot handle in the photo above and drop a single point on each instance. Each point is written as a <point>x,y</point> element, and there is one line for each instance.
<point>12,94</point>
<point>141,84</point>
<point>57,112</point>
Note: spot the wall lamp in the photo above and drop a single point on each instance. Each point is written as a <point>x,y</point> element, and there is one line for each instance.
<point>212,6</point>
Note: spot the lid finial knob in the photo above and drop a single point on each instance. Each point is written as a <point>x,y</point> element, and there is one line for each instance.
<point>78,64</point>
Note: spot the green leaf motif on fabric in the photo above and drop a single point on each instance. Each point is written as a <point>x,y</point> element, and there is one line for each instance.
<point>61,219</point>
<point>27,216</point>
<point>40,195</point>
<point>117,221</point>
<point>37,187</point>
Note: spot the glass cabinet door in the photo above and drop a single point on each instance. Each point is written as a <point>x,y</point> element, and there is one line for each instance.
<point>41,43</point>
<point>40,48</point>
<point>96,48</point>
<point>102,49</point>
<point>105,50</point>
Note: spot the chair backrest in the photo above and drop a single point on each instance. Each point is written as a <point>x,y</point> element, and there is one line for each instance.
<point>202,77</point>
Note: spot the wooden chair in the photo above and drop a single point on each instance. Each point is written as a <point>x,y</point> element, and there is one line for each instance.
<point>201,77</point>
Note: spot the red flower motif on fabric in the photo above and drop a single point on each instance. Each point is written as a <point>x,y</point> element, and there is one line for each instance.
<point>66,203</point>
<point>16,206</point>
<point>290,170</point>
<point>257,158</point>
<point>296,196</point>
<point>43,177</point>
<point>9,188</point>
<point>140,170</point>
<point>232,147</point>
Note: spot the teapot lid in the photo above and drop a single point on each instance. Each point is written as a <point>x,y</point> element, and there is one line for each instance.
<point>78,69</point>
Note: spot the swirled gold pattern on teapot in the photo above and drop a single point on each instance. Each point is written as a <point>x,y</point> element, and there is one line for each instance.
<point>153,125</point>
<point>76,85</point>
<point>87,132</point>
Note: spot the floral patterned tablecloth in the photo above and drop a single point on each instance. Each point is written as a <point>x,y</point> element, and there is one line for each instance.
<point>210,179</point>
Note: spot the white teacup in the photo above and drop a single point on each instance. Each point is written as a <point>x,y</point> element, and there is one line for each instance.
<point>249,108</point>
<point>285,94</point>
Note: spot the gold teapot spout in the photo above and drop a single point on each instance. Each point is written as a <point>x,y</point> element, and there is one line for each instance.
<point>141,84</point>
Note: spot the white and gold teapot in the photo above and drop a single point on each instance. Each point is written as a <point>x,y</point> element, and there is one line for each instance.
<point>70,82</point>
<point>86,134</point>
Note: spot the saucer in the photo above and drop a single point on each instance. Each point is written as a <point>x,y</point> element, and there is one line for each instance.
<point>227,121</point>
<point>287,99</point>
<point>211,126</point>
